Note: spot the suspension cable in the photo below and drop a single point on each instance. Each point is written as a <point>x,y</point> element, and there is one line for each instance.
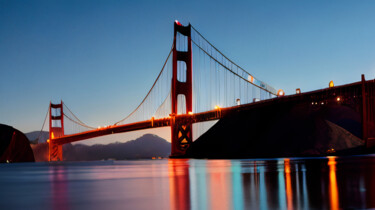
<point>225,58</point>
<point>165,63</point>
<point>162,104</point>
<point>81,124</point>
<point>41,130</point>
<point>73,114</point>
<point>230,69</point>
<point>79,121</point>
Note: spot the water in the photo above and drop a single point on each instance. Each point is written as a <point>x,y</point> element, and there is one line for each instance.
<point>296,183</point>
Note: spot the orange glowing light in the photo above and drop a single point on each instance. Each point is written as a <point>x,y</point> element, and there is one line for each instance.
<point>217,107</point>
<point>280,92</point>
<point>250,79</point>
<point>333,190</point>
<point>179,134</point>
<point>47,140</point>
<point>331,85</point>
<point>298,91</point>
<point>338,99</point>
<point>287,165</point>
<point>52,135</point>
<point>190,113</point>
<point>288,184</point>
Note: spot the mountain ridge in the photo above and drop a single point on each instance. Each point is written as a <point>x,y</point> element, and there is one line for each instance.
<point>144,147</point>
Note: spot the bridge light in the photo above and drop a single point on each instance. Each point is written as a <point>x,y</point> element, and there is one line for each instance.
<point>47,140</point>
<point>190,113</point>
<point>331,85</point>
<point>338,99</point>
<point>280,92</point>
<point>52,135</point>
<point>250,78</point>
<point>238,101</point>
<point>217,107</point>
<point>178,23</point>
<point>298,91</point>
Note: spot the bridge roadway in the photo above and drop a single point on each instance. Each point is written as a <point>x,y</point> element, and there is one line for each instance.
<point>198,117</point>
<point>153,123</point>
<point>163,122</point>
<point>206,116</point>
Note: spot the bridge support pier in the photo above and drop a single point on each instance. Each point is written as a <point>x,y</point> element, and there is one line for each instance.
<point>181,130</point>
<point>368,114</point>
<point>55,152</point>
<point>182,136</point>
<point>56,129</point>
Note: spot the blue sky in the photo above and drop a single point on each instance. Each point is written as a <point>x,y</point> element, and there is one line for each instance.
<point>101,57</point>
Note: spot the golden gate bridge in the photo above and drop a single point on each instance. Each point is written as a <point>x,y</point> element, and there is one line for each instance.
<point>196,84</point>
<point>178,98</point>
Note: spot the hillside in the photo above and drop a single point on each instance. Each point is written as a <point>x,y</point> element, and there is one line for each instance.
<point>32,136</point>
<point>146,146</point>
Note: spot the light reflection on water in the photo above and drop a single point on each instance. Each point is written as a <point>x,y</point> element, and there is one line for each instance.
<point>334,183</point>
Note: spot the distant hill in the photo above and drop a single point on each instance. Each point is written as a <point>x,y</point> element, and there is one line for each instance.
<point>147,146</point>
<point>32,136</point>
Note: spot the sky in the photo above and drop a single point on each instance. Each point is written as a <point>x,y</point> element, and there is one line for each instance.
<point>101,57</point>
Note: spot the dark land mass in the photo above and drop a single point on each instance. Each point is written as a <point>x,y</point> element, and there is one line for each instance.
<point>14,146</point>
<point>284,129</point>
<point>145,147</point>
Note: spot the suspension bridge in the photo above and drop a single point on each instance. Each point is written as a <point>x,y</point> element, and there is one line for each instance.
<point>199,84</point>
<point>196,84</point>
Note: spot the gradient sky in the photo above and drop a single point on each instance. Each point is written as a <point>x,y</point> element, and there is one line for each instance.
<point>101,57</point>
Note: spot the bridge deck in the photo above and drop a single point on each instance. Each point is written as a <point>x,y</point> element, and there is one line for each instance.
<point>194,118</point>
<point>153,123</point>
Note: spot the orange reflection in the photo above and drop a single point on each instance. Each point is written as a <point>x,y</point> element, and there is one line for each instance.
<point>288,184</point>
<point>220,184</point>
<point>333,192</point>
<point>179,186</point>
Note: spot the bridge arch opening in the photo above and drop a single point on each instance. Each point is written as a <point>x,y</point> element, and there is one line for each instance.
<point>181,42</point>
<point>181,104</point>
<point>181,71</point>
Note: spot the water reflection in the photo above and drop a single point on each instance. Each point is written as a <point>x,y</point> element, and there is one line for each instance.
<point>276,184</point>
<point>179,184</point>
<point>59,188</point>
<point>333,192</point>
<point>295,183</point>
<point>288,183</point>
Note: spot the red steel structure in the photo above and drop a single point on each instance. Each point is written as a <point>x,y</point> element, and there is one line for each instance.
<point>181,130</point>
<point>56,130</point>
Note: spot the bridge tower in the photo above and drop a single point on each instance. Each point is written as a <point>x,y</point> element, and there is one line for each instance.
<point>56,129</point>
<point>181,129</point>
